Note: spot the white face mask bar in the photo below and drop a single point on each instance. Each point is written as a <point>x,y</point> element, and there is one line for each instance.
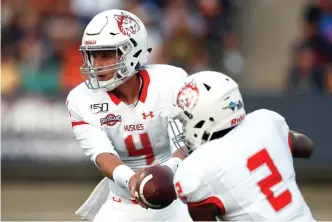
<point>90,73</point>
<point>177,125</point>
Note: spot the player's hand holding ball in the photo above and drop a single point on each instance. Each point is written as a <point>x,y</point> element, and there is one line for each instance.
<point>153,187</point>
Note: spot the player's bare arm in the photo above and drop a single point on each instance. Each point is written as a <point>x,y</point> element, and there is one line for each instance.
<point>181,153</point>
<point>206,212</point>
<point>301,145</point>
<point>173,163</point>
<point>170,165</point>
<point>107,163</point>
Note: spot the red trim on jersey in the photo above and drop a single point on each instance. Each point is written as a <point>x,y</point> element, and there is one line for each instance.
<point>210,200</point>
<point>78,123</point>
<point>146,82</point>
<point>290,142</point>
<point>114,98</point>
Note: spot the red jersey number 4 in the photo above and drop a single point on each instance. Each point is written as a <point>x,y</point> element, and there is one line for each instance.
<point>146,151</point>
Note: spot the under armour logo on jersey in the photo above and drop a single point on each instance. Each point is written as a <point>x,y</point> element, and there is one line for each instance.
<point>148,115</point>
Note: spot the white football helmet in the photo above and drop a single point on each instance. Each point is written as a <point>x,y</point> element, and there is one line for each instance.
<point>117,30</point>
<point>206,102</point>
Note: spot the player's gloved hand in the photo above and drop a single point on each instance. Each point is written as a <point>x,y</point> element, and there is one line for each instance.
<point>134,189</point>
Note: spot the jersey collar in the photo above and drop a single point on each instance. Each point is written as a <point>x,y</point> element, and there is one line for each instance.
<point>143,92</point>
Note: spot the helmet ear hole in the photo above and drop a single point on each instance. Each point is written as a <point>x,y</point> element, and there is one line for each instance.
<point>199,124</point>
<point>133,41</point>
<point>137,53</point>
<point>138,65</point>
<point>207,87</point>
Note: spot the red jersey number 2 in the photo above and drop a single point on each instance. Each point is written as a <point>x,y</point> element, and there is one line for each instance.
<point>256,161</point>
<point>146,150</point>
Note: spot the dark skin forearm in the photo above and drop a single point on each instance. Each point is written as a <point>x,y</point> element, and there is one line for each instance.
<point>206,212</point>
<point>301,145</point>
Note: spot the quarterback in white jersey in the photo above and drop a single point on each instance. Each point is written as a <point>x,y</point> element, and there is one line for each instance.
<point>240,166</point>
<point>120,116</point>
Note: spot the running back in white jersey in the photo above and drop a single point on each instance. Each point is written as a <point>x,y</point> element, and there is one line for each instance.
<point>248,173</point>
<point>138,135</point>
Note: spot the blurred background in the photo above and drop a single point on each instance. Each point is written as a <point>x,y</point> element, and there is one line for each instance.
<point>279,51</point>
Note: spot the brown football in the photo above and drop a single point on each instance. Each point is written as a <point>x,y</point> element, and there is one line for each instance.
<point>155,187</point>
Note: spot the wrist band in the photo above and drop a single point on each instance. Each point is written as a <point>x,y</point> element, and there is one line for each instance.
<point>122,175</point>
<point>172,163</point>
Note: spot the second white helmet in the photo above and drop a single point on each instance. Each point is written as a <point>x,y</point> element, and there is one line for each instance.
<point>205,103</point>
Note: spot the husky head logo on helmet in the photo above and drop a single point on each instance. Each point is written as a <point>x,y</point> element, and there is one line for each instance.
<point>124,34</point>
<point>127,25</point>
<point>187,95</point>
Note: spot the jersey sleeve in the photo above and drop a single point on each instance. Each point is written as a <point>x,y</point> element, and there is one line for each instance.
<point>281,126</point>
<point>91,139</point>
<point>189,186</point>
<point>193,190</point>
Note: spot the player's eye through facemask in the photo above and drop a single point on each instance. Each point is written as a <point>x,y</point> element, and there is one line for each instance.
<point>177,125</point>
<point>102,65</point>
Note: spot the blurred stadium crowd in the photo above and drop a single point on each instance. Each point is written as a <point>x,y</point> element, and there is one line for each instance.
<point>40,40</point>
<point>312,68</point>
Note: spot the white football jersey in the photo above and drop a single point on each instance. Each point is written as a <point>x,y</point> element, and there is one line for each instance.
<point>248,172</point>
<point>138,135</point>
